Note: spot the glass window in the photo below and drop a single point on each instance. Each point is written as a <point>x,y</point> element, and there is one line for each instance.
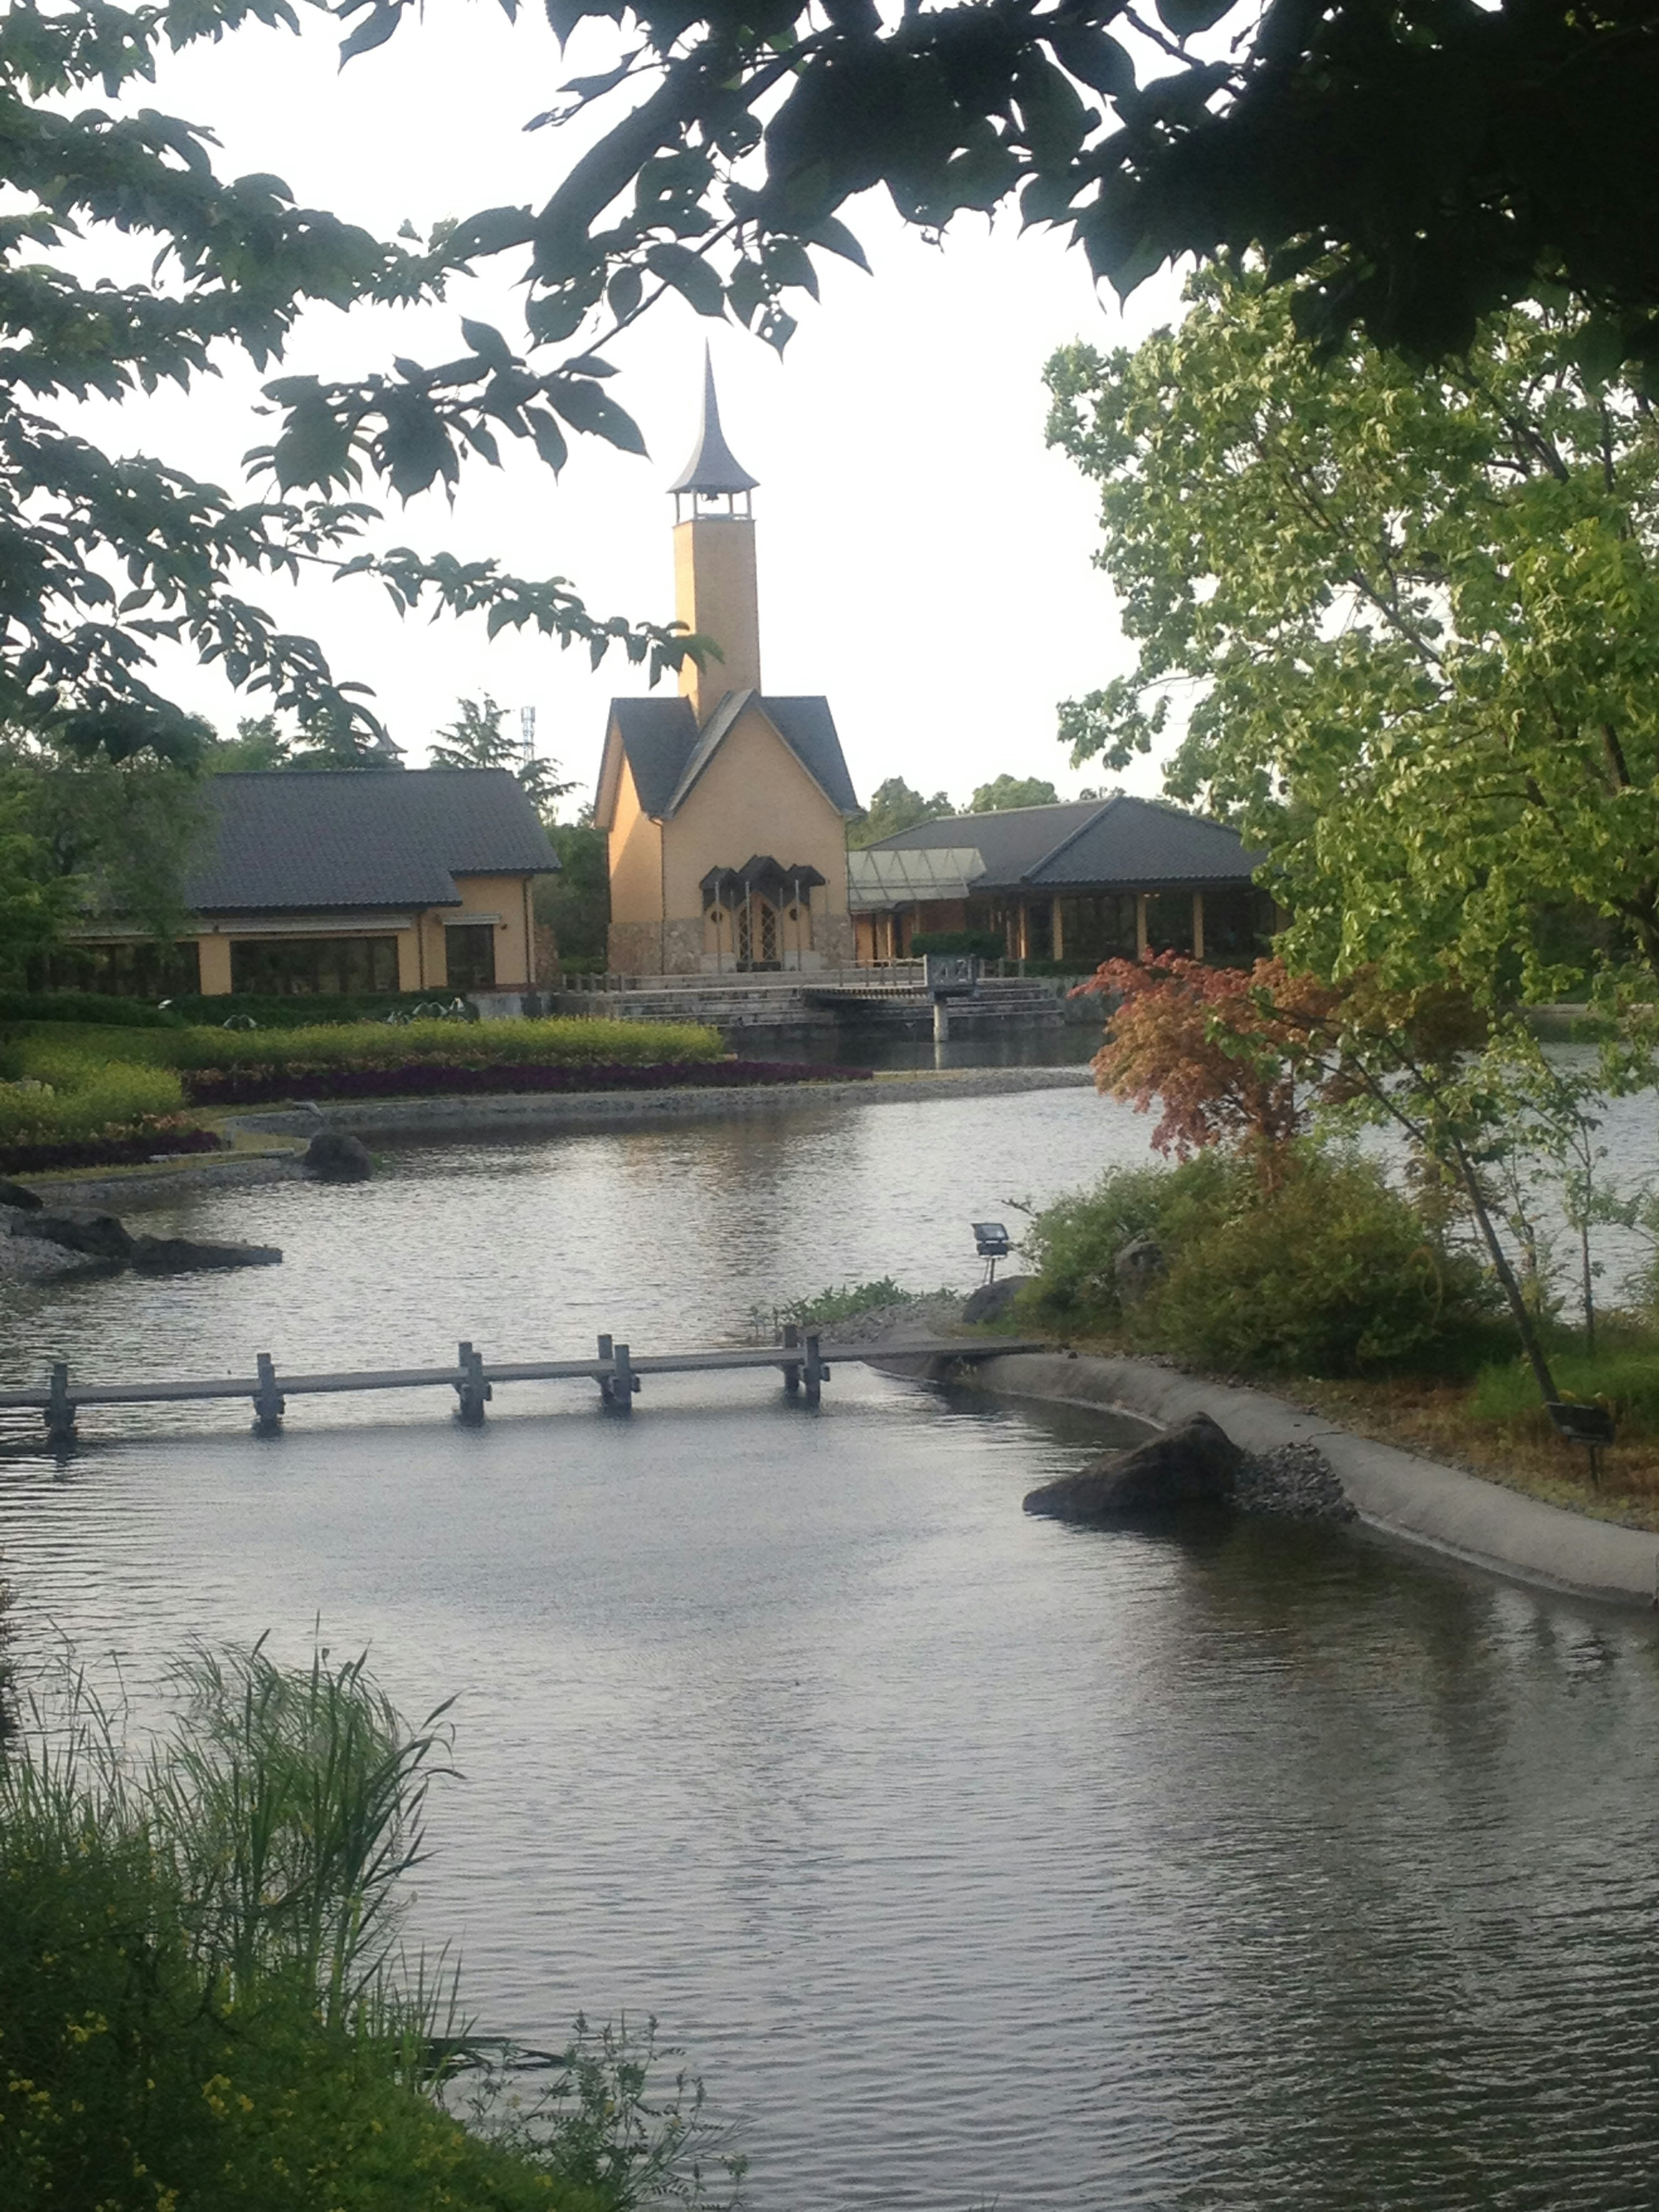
<point>128,968</point>
<point>1098,925</point>
<point>1237,925</point>
<point>470,948</point>
<point>1169,921</point>
<point>302,967</point>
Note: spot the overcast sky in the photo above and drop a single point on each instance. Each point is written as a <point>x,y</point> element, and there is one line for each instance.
<point>924,561</point>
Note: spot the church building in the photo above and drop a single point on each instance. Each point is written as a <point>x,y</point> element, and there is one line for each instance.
<point>725,808</point>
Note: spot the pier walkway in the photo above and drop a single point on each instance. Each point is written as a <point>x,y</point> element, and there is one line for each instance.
<point>803,1358</point>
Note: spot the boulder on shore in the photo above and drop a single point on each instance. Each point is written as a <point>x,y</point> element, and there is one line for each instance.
<point>1189,1468</point>
<point>20,1198</point>
<point>183,1255</point>
<point>994,1301</point>
<point>332,1157</point>
<point>100,1235</point>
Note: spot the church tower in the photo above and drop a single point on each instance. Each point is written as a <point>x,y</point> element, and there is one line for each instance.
<point>714,582</point>
<point>725,810</point>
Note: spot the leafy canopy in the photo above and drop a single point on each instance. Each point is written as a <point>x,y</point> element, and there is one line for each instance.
<point>101,559</point>
<point>1420,164</point>
<point>1407,622</point>
<point>1005,790</point>
<point>476,739</point>
<point>894,806</point>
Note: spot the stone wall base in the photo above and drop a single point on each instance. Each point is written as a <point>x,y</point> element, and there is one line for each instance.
<point>655,948</point>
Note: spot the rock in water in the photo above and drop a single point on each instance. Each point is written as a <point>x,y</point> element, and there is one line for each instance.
<point>332,1157</point>
<point>100,1235</point>
<point>993,1301</point>
<point>1191,1467</point>
<point>13,1195</point>
<point>182,1256</point>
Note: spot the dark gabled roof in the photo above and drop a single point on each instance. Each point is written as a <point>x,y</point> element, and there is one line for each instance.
<point>289,839</point>
<point>713,467</point>
<point>658,737</point>
<point>1130,841</point>
<point>667,752</point>
<point>1009,842</point>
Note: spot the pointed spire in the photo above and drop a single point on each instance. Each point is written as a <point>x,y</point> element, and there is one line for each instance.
<point>713,468</point>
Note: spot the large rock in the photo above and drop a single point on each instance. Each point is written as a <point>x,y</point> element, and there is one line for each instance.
<point>22,1200</point>
<point>994,1301</point>
<point>1137,1268</point>
<point>183,1255</point>
<point>100,1235</point>
<point>1189,1468</point>
<point>332,1157</point>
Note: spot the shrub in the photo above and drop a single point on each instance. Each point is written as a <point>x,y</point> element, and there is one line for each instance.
<point>544,1044</point>
<point>69,1098</point>
<point>93,1006</point>
<point>263,1086</point>
<point>841,1304</point>
<point>1329,1272</point>
<point>305,1009</point>
<point>987,943</point>
<point>200,1994</point>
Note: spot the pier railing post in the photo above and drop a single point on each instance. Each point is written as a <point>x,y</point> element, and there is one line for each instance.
<point>472,1391</point>
<point>623,1381</point>
<point>607,1355</point>
<point>269,1403</point>
<point>791,1367</point>
<point>815,1374</point>
<point>60,1409</point>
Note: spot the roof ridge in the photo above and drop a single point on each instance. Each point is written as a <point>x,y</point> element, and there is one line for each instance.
<point>1102,806</point>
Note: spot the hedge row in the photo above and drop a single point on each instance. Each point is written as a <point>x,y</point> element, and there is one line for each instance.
<point>95,1007</point>
<point>424,1080</point>
<point>540,1043</point>
<point>105,1151</point>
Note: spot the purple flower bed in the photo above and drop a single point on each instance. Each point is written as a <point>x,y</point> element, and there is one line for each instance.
<point>210,1086</point>
<point>104,1151</point>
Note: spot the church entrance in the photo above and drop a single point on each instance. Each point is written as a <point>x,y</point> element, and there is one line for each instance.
<point>757,934</point>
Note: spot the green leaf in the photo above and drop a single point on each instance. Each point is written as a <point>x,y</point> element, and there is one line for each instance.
<point>487,343</point>
<point>623,292</point>
<point>690,274</point>
<point>587,407</point>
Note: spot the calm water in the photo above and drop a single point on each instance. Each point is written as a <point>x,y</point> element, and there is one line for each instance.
<point>972,1858</point>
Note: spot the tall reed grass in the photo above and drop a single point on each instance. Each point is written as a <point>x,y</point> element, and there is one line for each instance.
<point>205,2003</point>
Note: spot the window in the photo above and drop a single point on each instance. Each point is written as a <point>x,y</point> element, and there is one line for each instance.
<point>1237,925</point>
<point>1099,926</point>
<point>129,967</point>
<point>1169,921</point>
<point>470,948</point>
<point>300,967</point>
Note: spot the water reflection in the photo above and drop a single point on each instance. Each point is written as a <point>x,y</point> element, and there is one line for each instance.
<point>975,1857</point>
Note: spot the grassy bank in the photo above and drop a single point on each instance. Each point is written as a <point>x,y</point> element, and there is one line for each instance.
<point>203,2003</point>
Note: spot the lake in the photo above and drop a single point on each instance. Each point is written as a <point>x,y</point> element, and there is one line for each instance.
<point>973,1859</point>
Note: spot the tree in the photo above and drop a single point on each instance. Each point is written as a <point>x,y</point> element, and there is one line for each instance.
<point>1411,168</point>
<point>574,905</point>
<point>476,740</point>
<point>1409,622</point>
<point>104,558</point>
<point>1013,791</point>
<point>894,806</point>
<point>1228,1054</point>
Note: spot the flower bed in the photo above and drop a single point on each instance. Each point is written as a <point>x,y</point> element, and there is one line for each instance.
<point>105,1151</point>
<point>260,1086</point>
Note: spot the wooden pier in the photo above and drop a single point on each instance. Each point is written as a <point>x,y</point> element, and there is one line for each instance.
<point>803,1358</point>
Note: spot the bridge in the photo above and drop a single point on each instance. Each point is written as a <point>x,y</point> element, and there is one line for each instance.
<point>803,1358</point>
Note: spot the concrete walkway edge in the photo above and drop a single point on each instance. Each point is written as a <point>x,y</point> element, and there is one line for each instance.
<point>1399,1495</point>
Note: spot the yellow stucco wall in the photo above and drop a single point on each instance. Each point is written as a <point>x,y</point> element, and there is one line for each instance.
<point>715,595</point>
<point>753,797</point>
<point>212,957</point>
<point>503,895</point>
<point>635,857</point>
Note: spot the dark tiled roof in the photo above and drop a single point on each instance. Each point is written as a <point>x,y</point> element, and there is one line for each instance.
<point>294,839</point>
<point>1134,843</point>
<point>667,752</point>
<point>1009,842</point>
<point>658,737</point>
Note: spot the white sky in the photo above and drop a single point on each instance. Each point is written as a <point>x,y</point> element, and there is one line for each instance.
<point>924,561</point>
